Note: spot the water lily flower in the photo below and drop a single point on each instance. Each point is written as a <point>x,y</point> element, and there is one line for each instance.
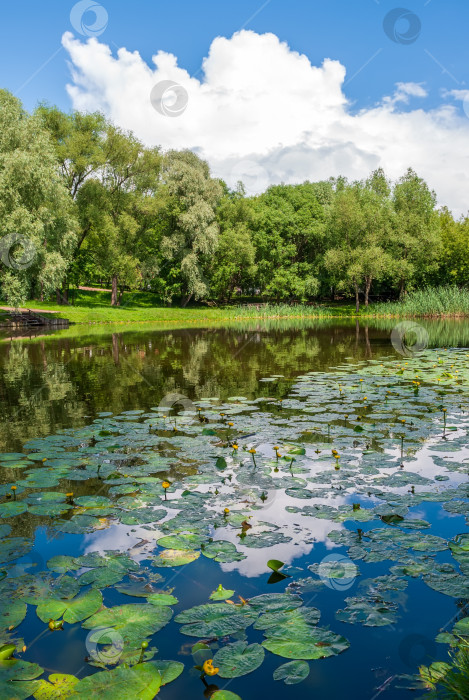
<point>165,485</point>
<point>226,511</point>
<point>231,424</point>
<point>13,488</point>
<point>144,646</point>
<point>209,669</point>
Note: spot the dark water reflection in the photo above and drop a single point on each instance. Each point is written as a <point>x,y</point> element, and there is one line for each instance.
<point>65,379</point>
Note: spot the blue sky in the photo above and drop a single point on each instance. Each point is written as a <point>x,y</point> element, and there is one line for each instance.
<point>348,30</point>
<point>270,107</point>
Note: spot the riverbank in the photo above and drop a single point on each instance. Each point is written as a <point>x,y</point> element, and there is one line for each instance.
<point>94,307</point>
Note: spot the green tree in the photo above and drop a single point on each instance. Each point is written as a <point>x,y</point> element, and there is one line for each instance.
<point>289,235</point>
<point>415,241</point>
<point>234,260</point>
<point>34,206</point>
<point>188,206</point>
<point>359,225</point>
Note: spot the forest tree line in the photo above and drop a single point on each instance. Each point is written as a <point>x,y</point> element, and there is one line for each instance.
<point>98,205</point>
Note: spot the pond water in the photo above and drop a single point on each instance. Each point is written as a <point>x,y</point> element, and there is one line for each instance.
<point>317,444</point>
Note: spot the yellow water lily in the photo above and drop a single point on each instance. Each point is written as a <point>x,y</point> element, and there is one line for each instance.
<point>209,669</point>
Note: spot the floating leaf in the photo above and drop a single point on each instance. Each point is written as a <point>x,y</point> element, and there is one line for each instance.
<point>134,622</point>
<point>292,672</point>
<point>74,610</point>
<point>238,659</point>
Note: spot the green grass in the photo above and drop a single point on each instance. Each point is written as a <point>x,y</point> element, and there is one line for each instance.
<point>432,301</point>
<point>141,307</point>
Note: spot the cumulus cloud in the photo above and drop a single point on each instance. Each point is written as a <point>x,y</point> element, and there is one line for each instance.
<point>262,113</point>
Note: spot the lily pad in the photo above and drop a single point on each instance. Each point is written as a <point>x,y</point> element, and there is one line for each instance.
<point>238,659</point>
<point>292,672</point>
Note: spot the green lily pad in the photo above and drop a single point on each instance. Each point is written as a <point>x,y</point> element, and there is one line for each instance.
<point>134,622</point>
<point>215,620</point>
<point>175,557</point>
<point>58,687</point>
<point>221,594</point>
<point>74,610</point>
<point>304,641</point>
<point>238,659</point>
<point>142,681</point>
<point>292,672</point>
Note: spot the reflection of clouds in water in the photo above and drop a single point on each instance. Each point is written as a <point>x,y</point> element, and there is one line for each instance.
<point>301,528</point>
<point>120,538</point>
<point>304,531</point>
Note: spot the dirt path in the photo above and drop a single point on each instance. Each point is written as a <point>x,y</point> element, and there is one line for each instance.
<point>94,289</point>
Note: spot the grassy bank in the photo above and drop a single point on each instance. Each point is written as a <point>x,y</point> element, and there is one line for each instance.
<point>430,302</point>
<point>139,307</point>
<point>94,307</point>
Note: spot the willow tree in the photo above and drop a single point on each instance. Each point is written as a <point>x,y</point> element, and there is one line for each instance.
<point>38,228</point>
<point>188,205</point>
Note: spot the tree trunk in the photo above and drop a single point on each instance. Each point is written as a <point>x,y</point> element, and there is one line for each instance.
<point>367,289</point>
<point>186,300</point>
<point>114,300</point>
<point>115,348</point>
<point>357,299</point>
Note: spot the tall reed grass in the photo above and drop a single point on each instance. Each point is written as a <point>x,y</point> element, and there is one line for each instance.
<point>431,301</point>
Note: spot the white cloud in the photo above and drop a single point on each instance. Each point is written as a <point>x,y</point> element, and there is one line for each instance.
<point>263,113</point>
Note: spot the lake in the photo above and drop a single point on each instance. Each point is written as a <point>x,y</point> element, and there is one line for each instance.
<point>334,450</point>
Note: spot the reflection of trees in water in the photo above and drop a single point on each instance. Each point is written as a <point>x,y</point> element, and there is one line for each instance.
<point>52,383</point>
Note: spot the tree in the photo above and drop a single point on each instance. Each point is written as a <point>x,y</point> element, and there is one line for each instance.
<point>234,260</point>
<point>454,257</point>
<point>415,241</point>
<point>116,208</point>
<point>188,205</point>
<point>35,210</point>
<point>289,235</point>
<point>359,224</point>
